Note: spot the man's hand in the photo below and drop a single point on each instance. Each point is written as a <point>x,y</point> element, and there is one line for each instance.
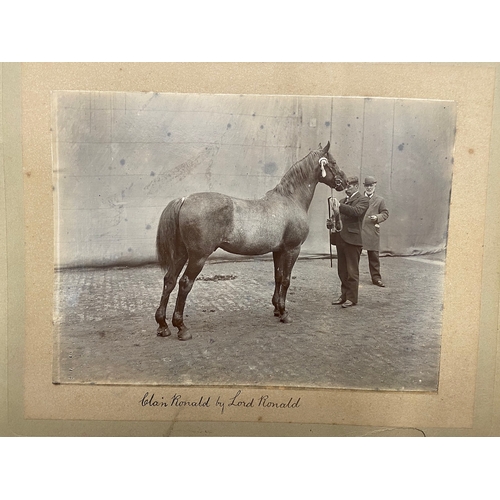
<point>373,218</point>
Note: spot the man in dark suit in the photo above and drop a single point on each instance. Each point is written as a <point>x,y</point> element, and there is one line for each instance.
<point>376,214</point>
<point>349,244</point>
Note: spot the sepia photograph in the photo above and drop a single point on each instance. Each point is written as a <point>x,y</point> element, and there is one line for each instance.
<point>268,248</point>
<point>250,240</point>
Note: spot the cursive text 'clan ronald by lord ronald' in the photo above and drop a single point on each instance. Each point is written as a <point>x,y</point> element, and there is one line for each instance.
<point>207,401</point>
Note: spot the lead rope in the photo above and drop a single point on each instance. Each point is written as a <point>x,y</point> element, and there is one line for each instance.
<point>337,226</point>
<point>337,221</point>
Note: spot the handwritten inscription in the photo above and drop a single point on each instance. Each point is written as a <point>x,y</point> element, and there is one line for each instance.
<point>222,404</point>
<point>175,400</point>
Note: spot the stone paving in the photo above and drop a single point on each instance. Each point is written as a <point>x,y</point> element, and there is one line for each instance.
<point>106,332</point>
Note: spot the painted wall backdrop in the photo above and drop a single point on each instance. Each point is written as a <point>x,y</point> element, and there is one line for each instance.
<point>119,158</point>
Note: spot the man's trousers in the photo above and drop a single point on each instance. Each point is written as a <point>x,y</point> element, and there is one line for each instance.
<point>348,268</point>
<point>374,264</point>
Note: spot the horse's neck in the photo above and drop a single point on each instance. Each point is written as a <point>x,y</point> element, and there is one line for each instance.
<point>299,183</point>
<point>304,193</point>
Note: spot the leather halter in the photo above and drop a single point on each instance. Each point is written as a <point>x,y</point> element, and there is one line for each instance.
<point>324,161</point>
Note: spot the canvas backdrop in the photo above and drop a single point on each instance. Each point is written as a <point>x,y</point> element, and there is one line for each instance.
<point>120,158</point>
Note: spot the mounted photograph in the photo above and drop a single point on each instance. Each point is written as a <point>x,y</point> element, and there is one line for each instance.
<point>246,240</point>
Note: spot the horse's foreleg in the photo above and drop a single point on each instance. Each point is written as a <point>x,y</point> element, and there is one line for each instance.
<point>193,269</point>
<point>278,278</point>
<point>169,282</point>
<point>289,260</point>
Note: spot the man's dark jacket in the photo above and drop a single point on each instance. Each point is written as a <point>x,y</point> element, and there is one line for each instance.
<point>351,214</point>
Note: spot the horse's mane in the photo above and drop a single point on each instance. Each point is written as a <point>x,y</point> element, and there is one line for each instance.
<point>296,174</point>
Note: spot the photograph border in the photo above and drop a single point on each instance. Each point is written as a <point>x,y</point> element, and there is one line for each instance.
<point>470,313</point>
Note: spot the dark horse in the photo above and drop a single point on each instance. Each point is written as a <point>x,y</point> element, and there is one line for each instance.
<point>192,228</point>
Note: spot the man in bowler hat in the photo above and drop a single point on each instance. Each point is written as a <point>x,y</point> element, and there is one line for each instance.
<point>377,212</point>
<point>349,243</point>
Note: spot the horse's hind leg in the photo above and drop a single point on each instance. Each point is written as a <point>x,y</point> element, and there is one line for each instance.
<point>193,269</point>
<point>169,282</point>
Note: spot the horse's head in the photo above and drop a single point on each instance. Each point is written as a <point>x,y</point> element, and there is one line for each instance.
<point>329,173</point>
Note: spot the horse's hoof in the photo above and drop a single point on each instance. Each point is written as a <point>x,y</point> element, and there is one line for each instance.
<point>276,312</point>
<point>286,319</point>
<point>184,335</point>
<point>163,331</point>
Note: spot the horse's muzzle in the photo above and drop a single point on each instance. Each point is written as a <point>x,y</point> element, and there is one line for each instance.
<point>339,185</point>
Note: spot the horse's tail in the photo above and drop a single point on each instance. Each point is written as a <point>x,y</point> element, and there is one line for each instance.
<point>168,240</point>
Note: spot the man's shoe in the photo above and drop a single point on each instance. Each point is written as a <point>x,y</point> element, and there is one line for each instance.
<point>348,303</point>
<point>379,283</point>
<point>338,302</point>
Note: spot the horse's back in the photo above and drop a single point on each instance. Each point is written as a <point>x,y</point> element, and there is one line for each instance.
<point>208,202</point>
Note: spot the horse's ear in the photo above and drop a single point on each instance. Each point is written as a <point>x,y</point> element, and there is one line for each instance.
<point>326,148</point>
<point>319,146</point>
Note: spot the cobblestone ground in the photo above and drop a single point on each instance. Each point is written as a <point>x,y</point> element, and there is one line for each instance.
<point>106,332</point>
